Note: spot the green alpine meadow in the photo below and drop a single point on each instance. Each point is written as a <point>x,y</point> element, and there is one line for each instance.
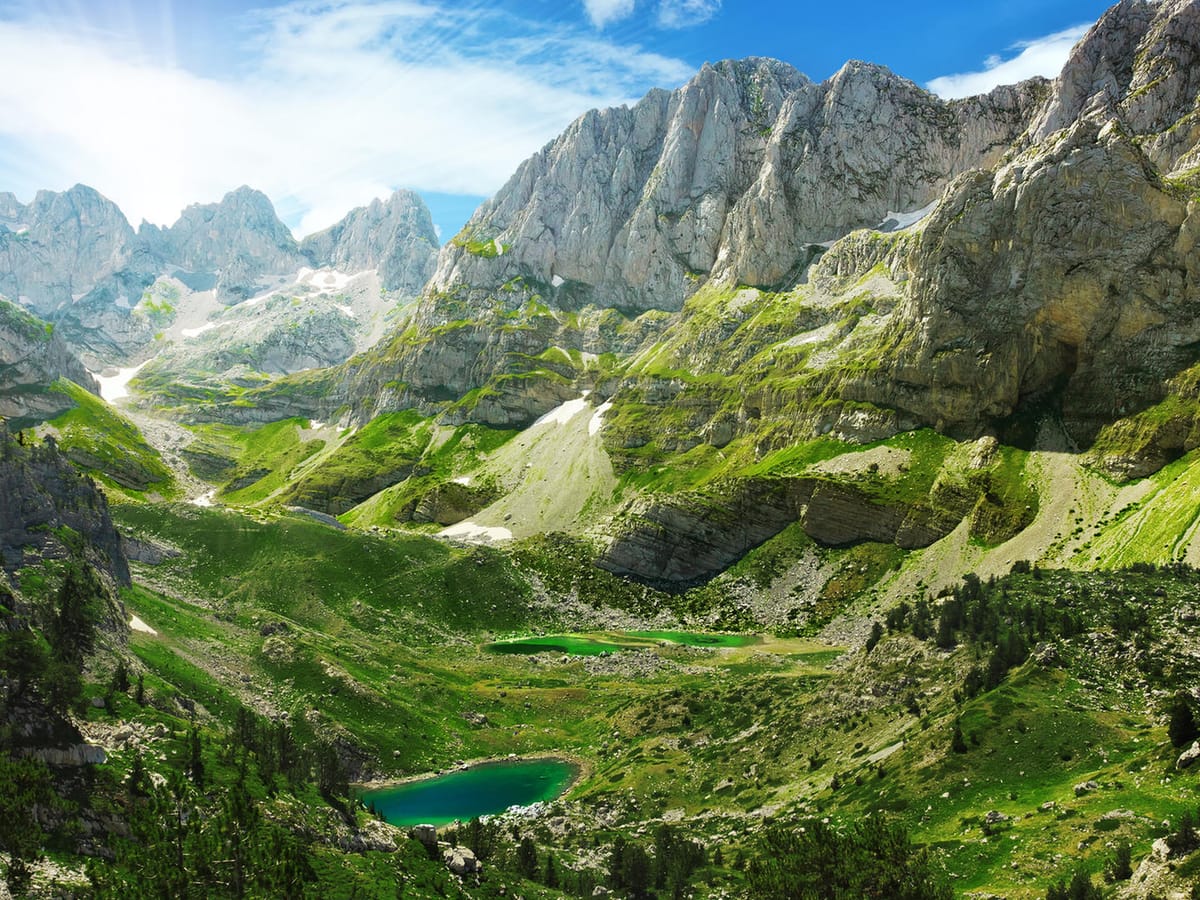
<point>775,488</point>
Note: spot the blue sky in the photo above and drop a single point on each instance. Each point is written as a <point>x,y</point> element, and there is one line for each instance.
<point>325,104</point>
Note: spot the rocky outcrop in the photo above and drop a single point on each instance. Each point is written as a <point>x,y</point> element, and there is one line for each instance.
<point>1137,65</point>
<point>50,511</point>
<point>689,538</point>
<point>462,861</point>
<point>61,246</point>
<point>32,357</point>
<point>452,502</point>
<point>1069,273</point>
<point>395,237</point>
<point>237,241</point>
<point>1189,756</point>
<point>732,176</point>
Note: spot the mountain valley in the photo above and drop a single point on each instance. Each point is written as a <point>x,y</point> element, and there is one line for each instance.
<point>903,392</point>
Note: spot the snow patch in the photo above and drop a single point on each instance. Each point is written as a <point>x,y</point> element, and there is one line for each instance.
<point>138,625</point>
<point>499,247</point>
<point>597,421</point>
<point>196,332</point>
<point>462,479</point>
<point>254,301</point>
<point>123,302</point>
<point>345,310</point>
<point>479,534</point>
<point>557,281</point>
<point>898,221</point>
<point>324,280</point>
<point>563,413</point>
<point>114,387</point>
<point>205,499</point>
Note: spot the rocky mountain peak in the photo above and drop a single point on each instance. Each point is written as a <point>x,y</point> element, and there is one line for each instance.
<point>732,176</point>
<point>1140,64</point>
<point>238,240</point>
<point>10,209</point>
<point>61,245</point>
<point>395,236</point>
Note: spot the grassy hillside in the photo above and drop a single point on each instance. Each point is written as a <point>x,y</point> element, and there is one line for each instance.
<point>103,443</point>
<point>380,642</point>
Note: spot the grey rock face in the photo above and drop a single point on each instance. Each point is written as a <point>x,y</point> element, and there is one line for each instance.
<point>689,538</point>
<point>61,246</point>
<point>39,493</point>
<point>396,237</point>
<point>238,240</point>
<point>1141,65</point>
<point>1069,273</point>
<point>731,177</point>
<point>32,357</point>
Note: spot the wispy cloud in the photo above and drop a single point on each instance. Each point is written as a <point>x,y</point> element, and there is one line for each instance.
<point>604,12</point>
<point>333,103</point>
<point>686,13</point>
<point>1044,56</point>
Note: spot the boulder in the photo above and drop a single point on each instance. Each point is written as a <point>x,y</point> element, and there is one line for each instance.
<point>1086,787</point>
<point>425,834</point>
<point>462,861</point>
<point>1188,756</point>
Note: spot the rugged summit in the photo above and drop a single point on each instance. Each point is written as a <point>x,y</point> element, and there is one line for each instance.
<point>1055,262</point>
<point>73,259</point>
<point>739,177</point>
<point>395,236</point>
<point>235,242</point>
<point>61,246</point>
<point>1070,270</point>
<point>732,177</point>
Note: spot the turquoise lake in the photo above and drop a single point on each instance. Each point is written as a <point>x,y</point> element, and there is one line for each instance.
<point>481,790</point>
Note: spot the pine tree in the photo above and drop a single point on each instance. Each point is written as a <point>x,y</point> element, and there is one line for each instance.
<point>957,743</point>
<point>120,679</point>
<point>195,767</point>
<point>1120,867</point>
<point>527,857</point>
<point>874,637</point>
<point>136,780</point>
<point>1181,725</point>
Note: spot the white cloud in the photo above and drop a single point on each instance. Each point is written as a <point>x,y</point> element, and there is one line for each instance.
<point>685,13</point>
<point>1044,56</point>
<point>332,103</point>
<point>602,12</point>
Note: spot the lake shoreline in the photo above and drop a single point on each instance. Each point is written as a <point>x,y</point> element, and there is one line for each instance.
<point>583,769</point>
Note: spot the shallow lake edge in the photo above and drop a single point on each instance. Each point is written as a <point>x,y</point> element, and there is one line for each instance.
<point>583,769</point>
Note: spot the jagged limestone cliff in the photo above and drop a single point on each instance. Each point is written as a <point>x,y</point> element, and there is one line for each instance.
<point>736,178</point>
<point>395,237</point>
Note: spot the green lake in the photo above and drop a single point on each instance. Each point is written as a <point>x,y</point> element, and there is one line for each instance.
<point>611,642</point>
<point>481,790</point>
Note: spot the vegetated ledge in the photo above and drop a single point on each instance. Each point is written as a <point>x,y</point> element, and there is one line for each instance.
<point>683,540</point>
